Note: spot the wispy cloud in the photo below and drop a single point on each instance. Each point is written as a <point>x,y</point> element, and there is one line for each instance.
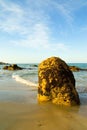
<point>68,8</point>
<point>39,39</point>
<point>10,6</point>
<point>63,10</point>
<point>17,18</point>
<point>11,16</point>
<point>32,22</point>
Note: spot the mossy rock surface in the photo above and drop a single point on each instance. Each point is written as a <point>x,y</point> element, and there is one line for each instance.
<point>74,68</point>
<point>12,67</point>
<point>56,82</point>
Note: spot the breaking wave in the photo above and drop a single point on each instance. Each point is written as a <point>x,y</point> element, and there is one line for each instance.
<point>24,81</point>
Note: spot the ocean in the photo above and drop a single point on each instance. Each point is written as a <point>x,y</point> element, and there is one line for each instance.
<point>26,76</point>
<point>29,76</point>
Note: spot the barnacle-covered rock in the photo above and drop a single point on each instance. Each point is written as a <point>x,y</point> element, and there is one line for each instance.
<point>12,67</point>
<point>56,83</point>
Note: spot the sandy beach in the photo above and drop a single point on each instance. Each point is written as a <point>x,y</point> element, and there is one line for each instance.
<point>20,110</point>
<point>43,57</point>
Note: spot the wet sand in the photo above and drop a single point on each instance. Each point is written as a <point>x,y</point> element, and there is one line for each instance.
<point>19,110</point>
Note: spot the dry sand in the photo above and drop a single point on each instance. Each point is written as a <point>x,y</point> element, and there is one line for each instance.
<point>19,110</point>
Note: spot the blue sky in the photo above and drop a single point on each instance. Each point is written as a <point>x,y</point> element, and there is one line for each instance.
<point>32,30</point>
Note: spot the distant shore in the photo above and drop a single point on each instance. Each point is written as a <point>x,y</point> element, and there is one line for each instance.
<point>3,63</point>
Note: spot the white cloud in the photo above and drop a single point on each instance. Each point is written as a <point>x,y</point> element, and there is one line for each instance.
<point>39,39</point>
<point>64,11</point>
<point>11,17</point>
<point>17,18</point>
<point>67,8</point>
<point>11,7</point>
<point>32,24</point>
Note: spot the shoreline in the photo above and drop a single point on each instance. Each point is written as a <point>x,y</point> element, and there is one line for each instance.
<point>22,111</point>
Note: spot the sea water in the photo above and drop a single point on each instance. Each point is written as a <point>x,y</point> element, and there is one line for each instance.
<point>29,76</point>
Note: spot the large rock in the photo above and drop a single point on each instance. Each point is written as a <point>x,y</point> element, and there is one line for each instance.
<point>56,83</point>
<point>12,67</point>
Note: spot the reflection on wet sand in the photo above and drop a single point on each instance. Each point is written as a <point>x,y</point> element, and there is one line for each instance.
<point>15,116</point>
<point>21,111</point>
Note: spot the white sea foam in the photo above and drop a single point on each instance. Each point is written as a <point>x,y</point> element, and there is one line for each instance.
<point>27,82</point>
